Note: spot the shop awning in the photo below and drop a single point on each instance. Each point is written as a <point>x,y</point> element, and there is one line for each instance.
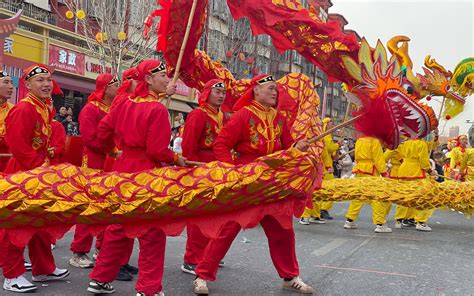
<point>74,83</point>
<point>180,106</point>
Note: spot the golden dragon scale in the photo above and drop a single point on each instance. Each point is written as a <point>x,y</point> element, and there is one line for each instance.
<point>420,194</point>
<point>60,196</point>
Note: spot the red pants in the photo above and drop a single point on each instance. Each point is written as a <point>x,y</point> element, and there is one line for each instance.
<point>195,245</point>
<point>281,243</point>
<point>39,249</point>
<point>150,261</point>
<point>83,240</point>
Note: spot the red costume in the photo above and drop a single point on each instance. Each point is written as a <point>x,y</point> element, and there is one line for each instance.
<point>253,131</point>
<point>4,109</point>
<point>142,128</point>
<point>202,127</point>
<point>28,135</point>
<point>93,156</point>
<point>125,89</point>
<point>58,142</point>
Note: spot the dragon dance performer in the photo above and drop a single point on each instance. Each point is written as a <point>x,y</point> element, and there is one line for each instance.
<point>402,214</point>
<point>127,87</point>
<point>467,164</point>
<point>256,129</point>
<point>369,163</point>
<point>456,156</point>
<point>97,107</point>
<point>28,135</point>
<point>141,127</point>
<point>316,214</point>
<point>6,91</point>
<point>202,127</point>
<point>330,149</point>
<point>415,166</point>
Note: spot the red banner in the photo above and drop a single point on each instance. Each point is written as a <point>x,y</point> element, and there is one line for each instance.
<point>66,60</point>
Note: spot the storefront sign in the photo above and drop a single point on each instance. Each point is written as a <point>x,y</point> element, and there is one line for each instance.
<point>94,67</point>
<point>66,60</point>
<point>22,47</point>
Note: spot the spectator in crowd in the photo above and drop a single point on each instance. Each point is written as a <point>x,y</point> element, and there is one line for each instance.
<point>61,116</point>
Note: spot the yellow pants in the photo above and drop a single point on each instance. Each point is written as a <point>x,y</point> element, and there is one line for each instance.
<point>327,205</point>
<point>315,212</point>
<point>421,216</point>
<point>404,213</point>
<point>380,210</point>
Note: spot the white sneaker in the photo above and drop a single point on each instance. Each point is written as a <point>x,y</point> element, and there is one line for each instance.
<point>157,294</point>
<point>317,221</point>
<point>422,227</point>
<point>398,225</point>
<point>304,221</point>
<point>57,274</point>
<point>95,255</point>
<point>382,229</point>
<point>81,260</point>
<point>100,288</point>
<point>297,285</point>
<point>19,284</point>
<point>350,225</point>
<point>200,286</point>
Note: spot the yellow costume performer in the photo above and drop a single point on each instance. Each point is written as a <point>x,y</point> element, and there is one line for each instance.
<point>415,166</point>
<point>330,148</point>
<point>370,162</point>
<point>467,165</point>
<point>456,156</point>
<point>314,215</point>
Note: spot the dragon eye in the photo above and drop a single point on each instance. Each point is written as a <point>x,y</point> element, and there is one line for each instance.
<point>408,88</point>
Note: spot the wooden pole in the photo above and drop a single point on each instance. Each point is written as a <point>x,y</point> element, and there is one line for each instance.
<point>195,163</point>
<point>346,115</point>
<point>181,51</point>
<point>328,132</point>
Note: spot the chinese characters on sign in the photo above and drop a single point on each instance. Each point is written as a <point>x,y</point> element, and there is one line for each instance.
<point>8,45</point>
<point>66,60</point>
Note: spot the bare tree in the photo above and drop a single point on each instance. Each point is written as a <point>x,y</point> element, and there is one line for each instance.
<point>106,24</point>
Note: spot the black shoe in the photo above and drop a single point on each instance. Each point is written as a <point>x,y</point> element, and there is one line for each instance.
<point>131,269</point>
<point>325,215</point>
<point>408,223</point>
<point>124,275</point>
<point>221,263</point>
<point>188,268</point>
<point>100,288</point>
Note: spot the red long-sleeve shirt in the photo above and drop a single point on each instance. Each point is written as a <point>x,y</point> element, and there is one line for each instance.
<point>28,133</point>
<point>202,127</point>
<point>142,130</point>
<point>252,132</point>
<point>93,155</point>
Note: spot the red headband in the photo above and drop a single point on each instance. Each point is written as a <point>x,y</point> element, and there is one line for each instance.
<point>31,72</point>
<point>147,68</point>
<point>248,97</point>
<point>213,83</point>
<point>101,83</point>
<point>127,77</point>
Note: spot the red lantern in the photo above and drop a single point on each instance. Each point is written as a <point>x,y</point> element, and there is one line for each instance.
<point>254,71</point>
<point>250,60</point>
<point>229,53</point>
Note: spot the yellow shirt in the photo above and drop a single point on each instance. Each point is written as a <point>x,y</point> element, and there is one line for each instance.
<point>416,160</point>
<point>456,156</point>
<point>467,164</point>
<point>369,157</point>
<point>395,159</point>
<point>329,149</point>
<point>4,109</point>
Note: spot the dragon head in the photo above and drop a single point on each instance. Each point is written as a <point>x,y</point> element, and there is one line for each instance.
<point>455,88</point>
<point>390,101</point>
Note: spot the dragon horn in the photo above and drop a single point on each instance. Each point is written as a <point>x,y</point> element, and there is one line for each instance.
<point>431,63</point>
<point>401,52</point>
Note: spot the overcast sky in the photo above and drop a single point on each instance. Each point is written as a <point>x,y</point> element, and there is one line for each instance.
<point>442,29</point>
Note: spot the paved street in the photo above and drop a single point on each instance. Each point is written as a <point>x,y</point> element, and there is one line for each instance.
<point>334,260</point>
